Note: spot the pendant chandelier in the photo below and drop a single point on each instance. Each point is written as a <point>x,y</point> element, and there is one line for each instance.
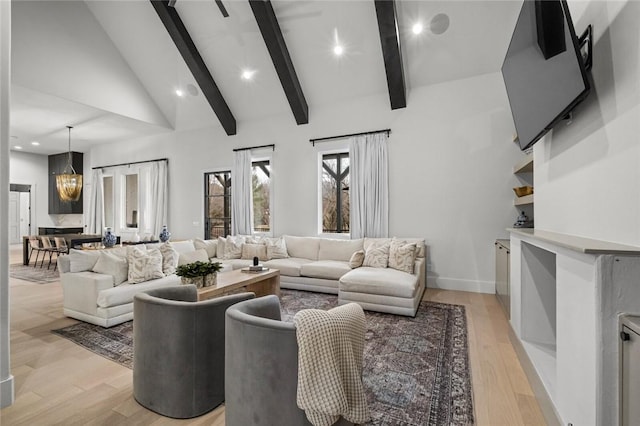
<point>69,183</point>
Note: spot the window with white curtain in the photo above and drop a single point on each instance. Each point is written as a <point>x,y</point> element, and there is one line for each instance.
<point>334,192</point>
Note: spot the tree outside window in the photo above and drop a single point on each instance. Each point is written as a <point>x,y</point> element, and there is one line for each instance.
<point>217,204</point>
<point>335,193</point>
<point>261,182</point>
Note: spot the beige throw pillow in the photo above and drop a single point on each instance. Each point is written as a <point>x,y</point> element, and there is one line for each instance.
<point>377,255</point>
<point>80,260</point>
<point>402,256</point>
<point>209,245</point>
<point>233,247</point>
<point>169,259</point>
<point>110,264</point>
<point>199,255</point>
<point>356,259</point>
<point>276,248</point>
<point>249,251</point>
<point>144,265</point>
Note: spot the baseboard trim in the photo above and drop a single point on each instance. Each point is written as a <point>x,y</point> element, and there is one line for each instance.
<point>6,392</point>
<point>549,412</point>
<point>461,285</point>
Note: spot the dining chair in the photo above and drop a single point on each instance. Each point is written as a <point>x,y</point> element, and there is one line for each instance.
<point>34,245</point>
<point>61,245</point>
<point>47,247</point>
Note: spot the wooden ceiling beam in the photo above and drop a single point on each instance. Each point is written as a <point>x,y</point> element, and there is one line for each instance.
<point>272,35</point>
<point>187,48</point>
<point>391,51</point>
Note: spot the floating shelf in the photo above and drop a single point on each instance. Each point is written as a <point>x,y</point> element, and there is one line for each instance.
<point>524,166</point>
<point>522,201</point>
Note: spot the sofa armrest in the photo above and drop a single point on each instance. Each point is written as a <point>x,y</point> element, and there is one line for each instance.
<point>80,290</point>
<point>419,269</point>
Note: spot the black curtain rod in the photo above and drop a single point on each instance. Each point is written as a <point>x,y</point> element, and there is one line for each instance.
<point>129,164</point>
<point>313,141</point>
<point>272,146</point>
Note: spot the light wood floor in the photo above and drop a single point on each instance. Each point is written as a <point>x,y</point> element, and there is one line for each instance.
<point>59,382</point>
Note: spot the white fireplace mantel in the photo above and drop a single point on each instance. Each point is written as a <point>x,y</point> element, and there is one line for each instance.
<point>567,293</point>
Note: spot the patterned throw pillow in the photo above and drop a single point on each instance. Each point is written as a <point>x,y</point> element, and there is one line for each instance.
<point>110,264</point>
<point>402,256</point>
<point>233,247</point>
<point>209,245</point>
<point>249,251</point>
<point>356,259</point>
<point>169,259</point>
<point>377,255</point>
<point>276,248</point>
<point>144,265</point>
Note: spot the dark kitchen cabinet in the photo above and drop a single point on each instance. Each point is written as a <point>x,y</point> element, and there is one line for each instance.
<point>57,163</point>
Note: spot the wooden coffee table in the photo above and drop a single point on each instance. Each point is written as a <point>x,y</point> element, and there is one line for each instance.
<point>260,283</point>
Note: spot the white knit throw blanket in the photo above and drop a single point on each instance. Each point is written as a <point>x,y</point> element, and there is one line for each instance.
<point>330,346</point>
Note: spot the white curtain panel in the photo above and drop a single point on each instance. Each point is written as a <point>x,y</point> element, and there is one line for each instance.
<point>241,194</point>
<point>96,203</point>
<point>369,186</point>
<point>158,202</point>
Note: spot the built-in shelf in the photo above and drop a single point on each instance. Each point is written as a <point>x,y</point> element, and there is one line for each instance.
<point>522,201</point>
<point>579,244</point>
<point>524,166</point>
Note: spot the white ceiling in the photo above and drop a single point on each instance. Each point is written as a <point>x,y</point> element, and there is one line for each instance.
<point>110,69</point>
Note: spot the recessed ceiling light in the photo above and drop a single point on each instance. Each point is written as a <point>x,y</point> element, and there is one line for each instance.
<point>247,74</point>
<point>417,28</point>
<point>179,93</point>
<point>17,147</point>
<point>35,143</point>
<point>338,50</point>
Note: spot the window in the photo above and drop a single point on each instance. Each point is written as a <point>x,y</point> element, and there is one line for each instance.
<point>217,204</point>
<point>107,183</point>
<point>335,193</point>
<point>261,182</point>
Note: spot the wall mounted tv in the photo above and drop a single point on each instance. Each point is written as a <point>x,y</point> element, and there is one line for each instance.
<point>543,69</point>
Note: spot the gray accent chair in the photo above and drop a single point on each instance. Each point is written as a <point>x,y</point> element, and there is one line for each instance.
<point>178,350</point>
<point>261,366</point>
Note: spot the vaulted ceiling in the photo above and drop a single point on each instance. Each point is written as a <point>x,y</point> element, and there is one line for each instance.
<point>111,69</point>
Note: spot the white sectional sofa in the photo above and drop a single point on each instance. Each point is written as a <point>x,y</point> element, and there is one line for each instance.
<point>305,263</point>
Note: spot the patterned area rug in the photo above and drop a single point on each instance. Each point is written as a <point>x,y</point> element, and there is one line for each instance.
<point>36,275</point>
<point>416,370</point>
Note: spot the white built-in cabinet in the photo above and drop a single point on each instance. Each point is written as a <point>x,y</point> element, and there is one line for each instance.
<point>630,370</point>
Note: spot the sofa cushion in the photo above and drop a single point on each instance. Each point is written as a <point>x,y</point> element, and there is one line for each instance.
<point>276,248</point>
<point>327,269</point>
<point>334,249</point>
<point>376,254</point>
<point>402,255</point>
<point>249,251</point>
<point>233,247</point>
<point>421,250</point>
<point>356,259</point>
<point>209,245</point>
<point>199,255</point>
<point>289,266</point>
<point>144,265</point>
<point>110,264</point>
<point>124,293</point>
<point>82,260</point>
<point>387,282</point>
<point>170,258</point>
<point>238,263</point>
<point>183,246</point>
<point>302,247</point>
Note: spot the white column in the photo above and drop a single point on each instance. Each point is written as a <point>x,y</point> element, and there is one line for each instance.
<point>6,379</point>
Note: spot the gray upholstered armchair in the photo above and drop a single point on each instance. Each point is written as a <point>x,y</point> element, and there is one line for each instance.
<point>261,366</point>
<point>178,350</point>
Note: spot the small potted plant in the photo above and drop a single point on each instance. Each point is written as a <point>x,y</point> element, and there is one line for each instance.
<point>202,274</point>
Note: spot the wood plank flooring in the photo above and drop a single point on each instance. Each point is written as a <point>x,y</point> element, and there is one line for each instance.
<point>59,382</point>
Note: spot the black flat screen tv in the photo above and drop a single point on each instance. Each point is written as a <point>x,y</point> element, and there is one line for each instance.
<point>543,90</point>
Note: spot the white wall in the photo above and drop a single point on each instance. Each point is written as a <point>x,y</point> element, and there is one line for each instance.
<point>33,169</point>
<point>587,173</point>
<point>451,159</point>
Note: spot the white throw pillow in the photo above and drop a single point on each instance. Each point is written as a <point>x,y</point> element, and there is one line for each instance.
<point>249,251</point>
<point>222,244</point>
<point>110,264</point>
<point>183,246</point>
<point>402,256</point>
<point>377,255</point>
<point>356,259</point>
<point>169,259</point>
<point>199,255</point>
<point>276,248</point>
<point>80,260</point>
<point>233,247</point>
<point>144,265</point>
<point>209,245</point>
